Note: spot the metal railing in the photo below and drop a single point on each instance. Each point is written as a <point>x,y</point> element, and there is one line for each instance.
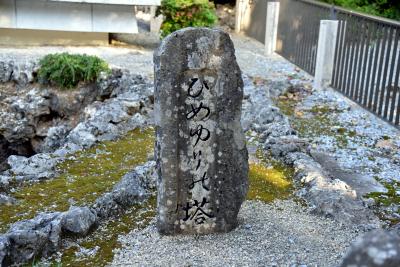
<point>298,30</point>
<point>367,60</point>
<point>367,63</point>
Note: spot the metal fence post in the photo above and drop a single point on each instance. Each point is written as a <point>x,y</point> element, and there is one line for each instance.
<point>271,29</point>
<point>240,5</point>
<point>155,21</point>
<point>326,53</point>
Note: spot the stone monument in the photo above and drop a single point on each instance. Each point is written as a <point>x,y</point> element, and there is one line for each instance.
<point>200,148</point>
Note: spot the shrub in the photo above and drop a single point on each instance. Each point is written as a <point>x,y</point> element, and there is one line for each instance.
<point>385,8</point>
<point>179,14</point>
<point>67,70</point>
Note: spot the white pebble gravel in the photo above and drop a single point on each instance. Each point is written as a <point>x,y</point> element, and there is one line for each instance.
<point>278,234</point>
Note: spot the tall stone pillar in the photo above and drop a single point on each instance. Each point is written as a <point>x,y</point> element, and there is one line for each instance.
<point>201,153</point>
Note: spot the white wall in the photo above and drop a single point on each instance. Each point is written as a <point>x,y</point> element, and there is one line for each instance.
<point>117,2</point>
<point>116,19</point>
<point>7,13</point>
<point>67,16</point>
<point>43,15</point>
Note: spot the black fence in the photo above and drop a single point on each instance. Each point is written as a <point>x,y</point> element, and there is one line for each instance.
<point>367,63</point>
<point>298,30</point>
<point>367,60</point>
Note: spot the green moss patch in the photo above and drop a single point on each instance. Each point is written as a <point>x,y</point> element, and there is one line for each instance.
<point>269,180</point>
<point>387,199</point>
<point>317,121</point>
<point>105,239</point>
<point>83,179</point>
<point>320,109</point>
<point>287,106</point>
<point>314,124</point>
<point>391,196</point>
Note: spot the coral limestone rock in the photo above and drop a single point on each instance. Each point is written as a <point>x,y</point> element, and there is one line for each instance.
<point>200,145</point>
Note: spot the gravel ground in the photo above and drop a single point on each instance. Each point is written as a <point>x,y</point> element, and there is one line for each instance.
<point>278,234</point>
<point>140,60</point>
<point>253,62</point>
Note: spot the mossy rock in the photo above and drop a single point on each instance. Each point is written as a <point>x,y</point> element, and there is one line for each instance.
<point>83,179</point>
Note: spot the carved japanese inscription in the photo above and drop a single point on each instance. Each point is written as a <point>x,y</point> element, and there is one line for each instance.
<point>200,145</point>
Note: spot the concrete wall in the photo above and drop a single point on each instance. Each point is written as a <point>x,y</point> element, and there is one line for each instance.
<point>68,16</point>
<point>254,15</point>
<point>18,37</point>
<point>117,2</point>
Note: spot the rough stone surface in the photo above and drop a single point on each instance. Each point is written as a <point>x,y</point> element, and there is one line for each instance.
<point>200,148</point>
<point>378,248</point>
<point>35,237</point>
<point>327,196</point>
<point>7,200</point>
<point>6,70</point>
<point>30,111</point>
<point>37,167</point>
<point>4,181</point>
<point>78,220</point>
<point>55,138</point>
<point>21,74</point>
<point>124,194</point>
<point>4,249</point>
<point>323,191</point>
<point>56,123</point>
<point>147,174</point>
<point>41,236</point>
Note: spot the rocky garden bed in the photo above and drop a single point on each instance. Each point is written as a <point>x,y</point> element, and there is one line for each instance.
<point>77,183</point>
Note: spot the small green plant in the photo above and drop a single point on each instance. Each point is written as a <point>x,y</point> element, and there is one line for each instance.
<point>179,14</point>
<point>391,196</point>
<point>67,70</point>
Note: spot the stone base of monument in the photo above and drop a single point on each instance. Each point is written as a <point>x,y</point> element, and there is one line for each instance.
<point>200,148</point>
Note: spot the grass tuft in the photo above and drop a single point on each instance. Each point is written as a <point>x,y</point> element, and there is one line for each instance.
<point>67,70</point>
